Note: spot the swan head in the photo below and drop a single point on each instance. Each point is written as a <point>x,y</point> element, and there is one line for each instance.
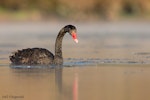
<point>72,31</point>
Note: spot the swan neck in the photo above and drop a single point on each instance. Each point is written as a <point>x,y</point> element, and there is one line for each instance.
<point>58,43</point>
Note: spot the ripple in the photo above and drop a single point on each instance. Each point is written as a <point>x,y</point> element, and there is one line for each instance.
<point>97,61</point>
<point>79,62</point>
<point>142,53</point>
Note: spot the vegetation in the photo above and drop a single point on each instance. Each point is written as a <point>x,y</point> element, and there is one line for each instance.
<point>75,9</point>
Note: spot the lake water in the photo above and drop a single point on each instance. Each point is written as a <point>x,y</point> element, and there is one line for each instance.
<point>110,62</point>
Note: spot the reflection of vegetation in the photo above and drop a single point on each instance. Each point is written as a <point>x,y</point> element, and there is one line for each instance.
<point>108,9</point>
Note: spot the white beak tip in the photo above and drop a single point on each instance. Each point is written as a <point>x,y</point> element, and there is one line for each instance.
<point>76,40</point>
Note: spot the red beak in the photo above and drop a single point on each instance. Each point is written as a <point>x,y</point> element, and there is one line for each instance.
<point>74,36</point>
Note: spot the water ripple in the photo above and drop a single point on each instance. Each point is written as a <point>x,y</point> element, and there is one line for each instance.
<point>79,62</point>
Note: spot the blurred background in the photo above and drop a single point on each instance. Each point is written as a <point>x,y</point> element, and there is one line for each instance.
<point>119,28</point>
<point>77,10</point>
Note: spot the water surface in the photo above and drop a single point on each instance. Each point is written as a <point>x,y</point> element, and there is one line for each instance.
<point>110,62</point>
<point>107,82</point>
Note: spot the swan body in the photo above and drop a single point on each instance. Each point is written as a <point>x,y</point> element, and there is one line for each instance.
<point>41,56</point>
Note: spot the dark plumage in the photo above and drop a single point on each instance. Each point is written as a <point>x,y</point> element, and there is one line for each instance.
<point>32,56</point>
<point>41,56</point>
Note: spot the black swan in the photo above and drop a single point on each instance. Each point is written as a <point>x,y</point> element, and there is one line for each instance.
<point>41,56</point>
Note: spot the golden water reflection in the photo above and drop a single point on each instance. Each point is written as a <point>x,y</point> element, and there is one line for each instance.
<point>104,82</point>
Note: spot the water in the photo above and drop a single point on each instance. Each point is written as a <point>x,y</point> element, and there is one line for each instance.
<point>107,82</point>
<point>110,62</point>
